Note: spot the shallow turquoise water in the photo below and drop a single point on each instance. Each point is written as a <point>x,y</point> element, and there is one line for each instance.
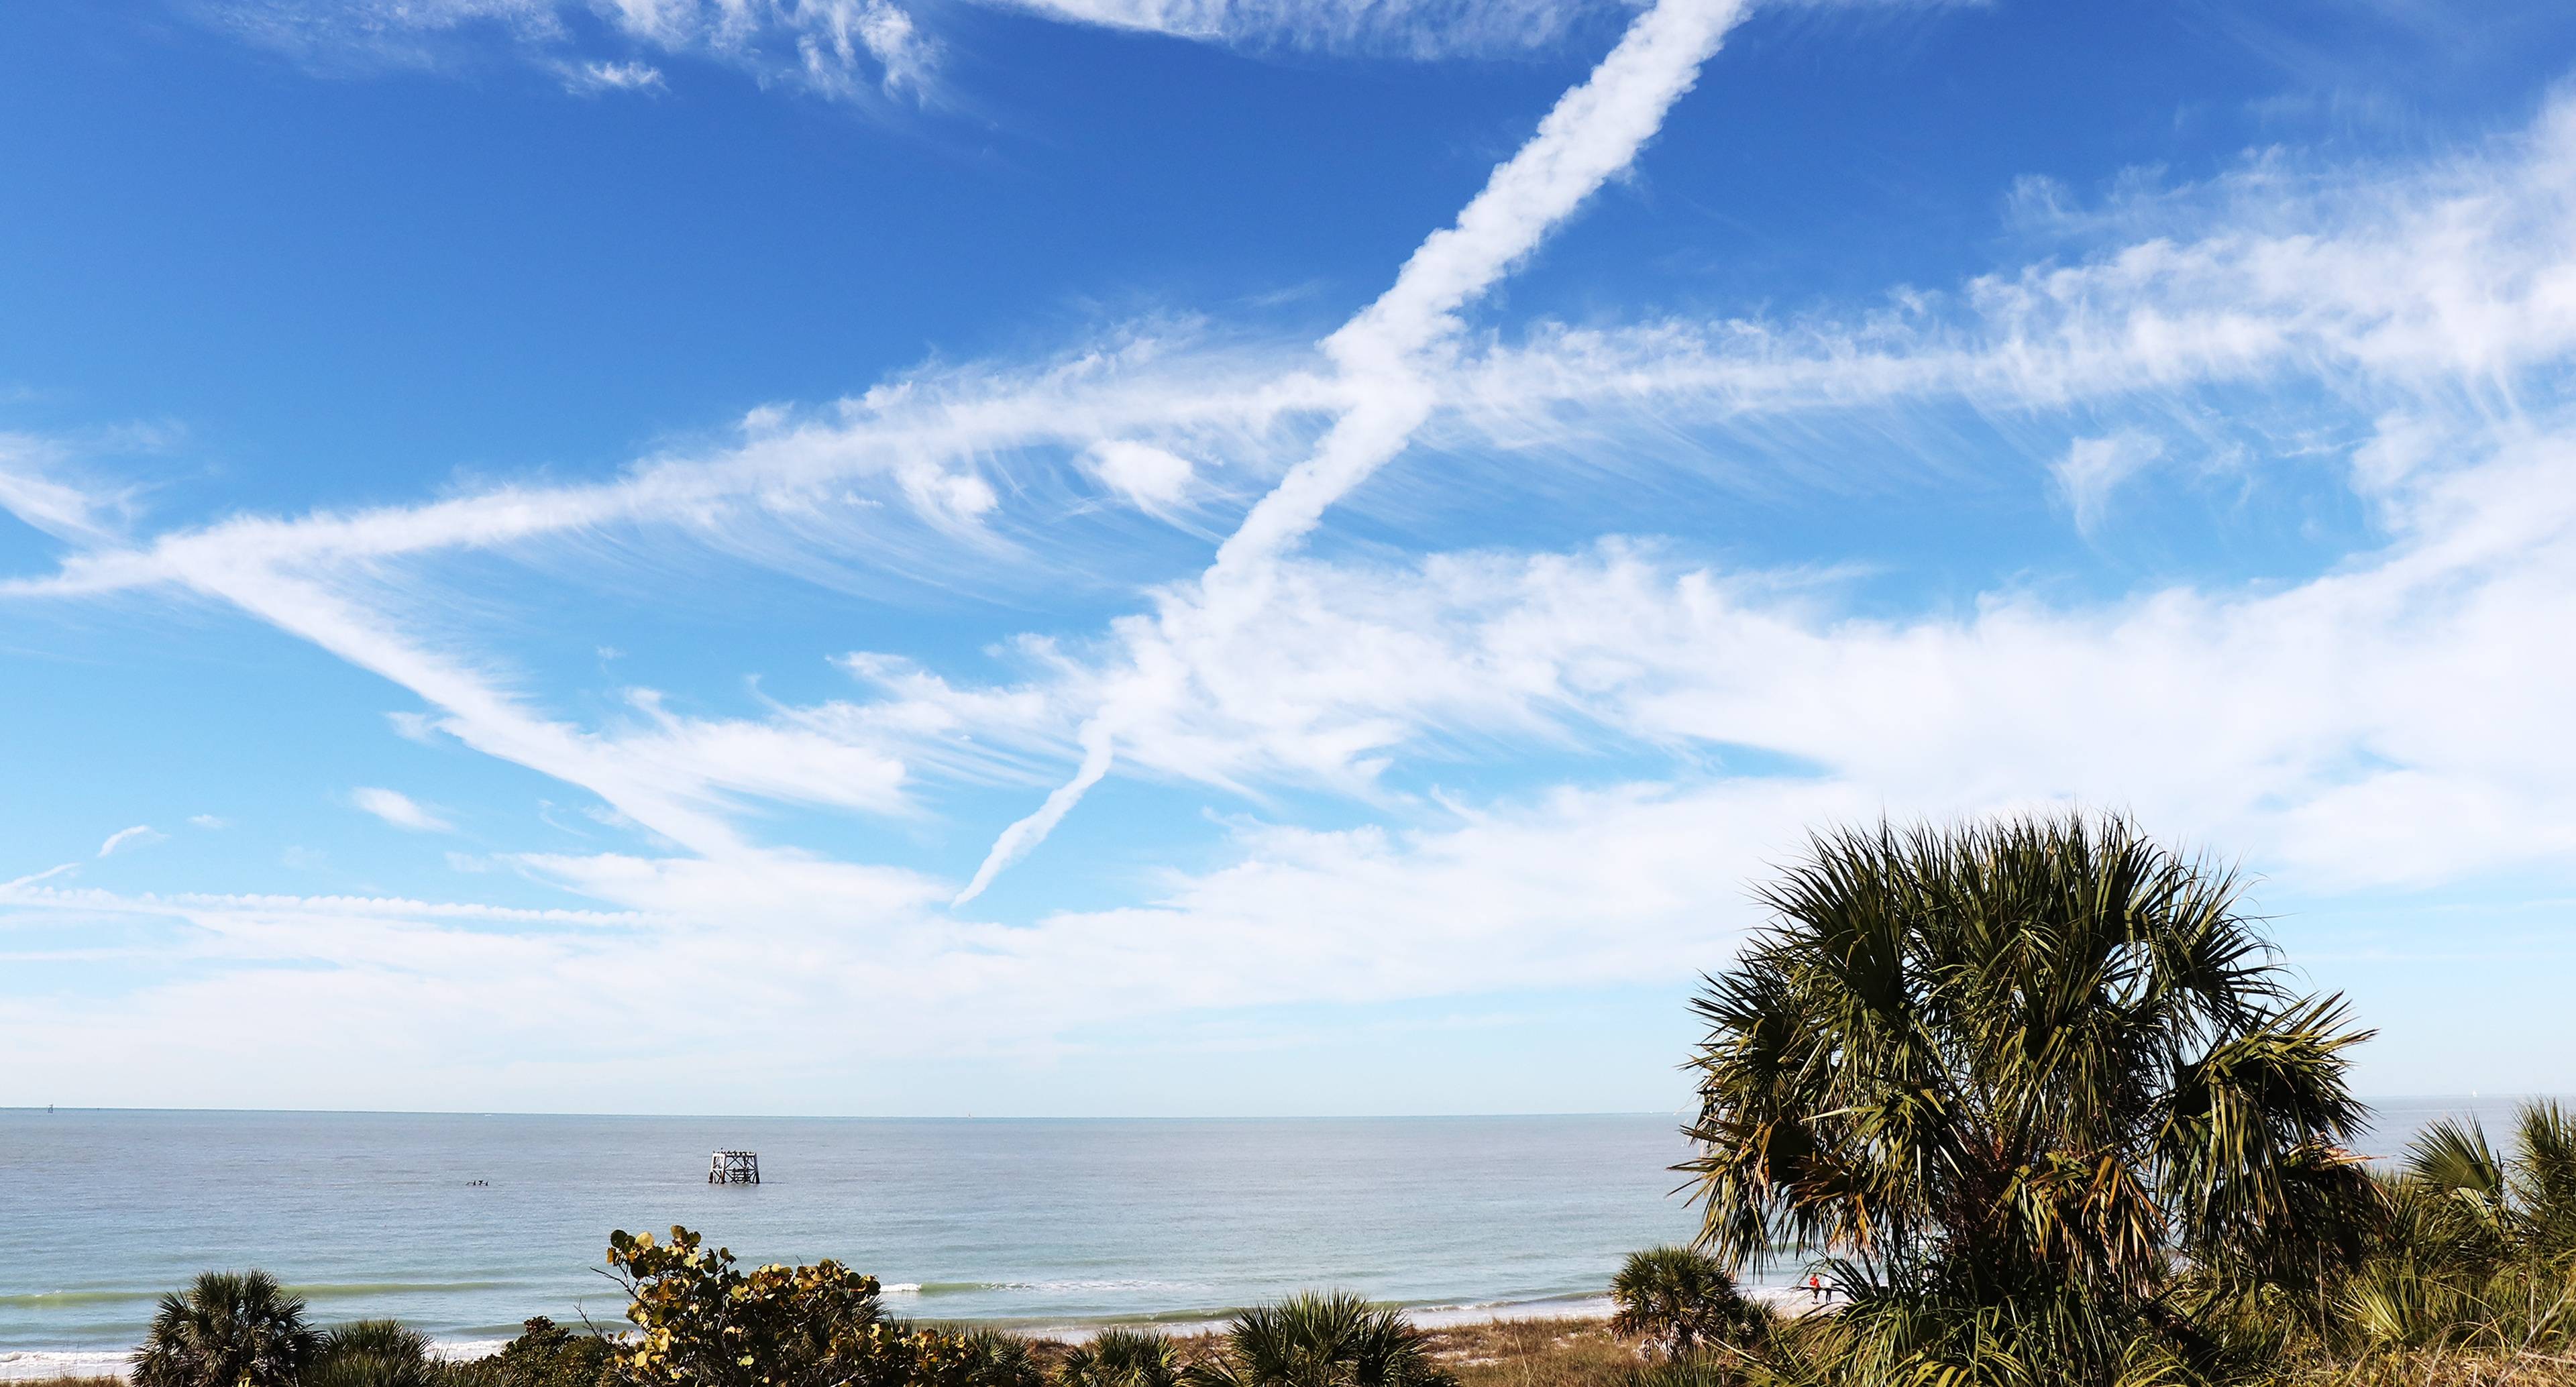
<point>1020,1222</point>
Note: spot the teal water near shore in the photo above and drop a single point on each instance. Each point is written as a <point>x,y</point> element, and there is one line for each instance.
<point>1025,1223</point>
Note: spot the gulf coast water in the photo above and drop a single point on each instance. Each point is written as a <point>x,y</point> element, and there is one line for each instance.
<point>466,1225</point>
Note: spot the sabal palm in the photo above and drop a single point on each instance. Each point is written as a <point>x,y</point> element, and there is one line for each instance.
<point>2019,1060</point>
<point>993,1358</point>
<point>2479,1246</point>
<point>1322,1339</point>
<point>2488,1207</point>
<point>372,1353</point>
<point>1680,1299</point>
<point>228,1329</point>
<point>1123,1358</point>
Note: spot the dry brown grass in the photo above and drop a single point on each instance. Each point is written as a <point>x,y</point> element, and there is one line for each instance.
<point>1533,1353</point>
<point>1581,1353</point>
<point>2449,1368</point>
<point>69,1382</point>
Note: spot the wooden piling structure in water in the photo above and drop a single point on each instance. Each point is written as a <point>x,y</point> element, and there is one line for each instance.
<point>733,1168</point>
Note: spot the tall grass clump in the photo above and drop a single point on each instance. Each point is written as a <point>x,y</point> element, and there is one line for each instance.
<point>2009,1080</point>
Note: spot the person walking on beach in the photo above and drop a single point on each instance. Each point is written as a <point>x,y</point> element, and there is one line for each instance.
<point>1816,1288</point>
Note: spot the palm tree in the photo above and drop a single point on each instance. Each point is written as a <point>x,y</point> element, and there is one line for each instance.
<point>1123,1358</point>
<point>994,1358</point>
<point>229,1329</point>
<point>2002,1076</point>
<point>1681,1299</point>
<point>1322,1339</point>
<point>2479,1247</point>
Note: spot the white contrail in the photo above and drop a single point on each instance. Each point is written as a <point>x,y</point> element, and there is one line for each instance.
<point>1594,131</point>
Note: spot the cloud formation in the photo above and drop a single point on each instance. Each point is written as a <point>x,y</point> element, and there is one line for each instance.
<point>398,809</point>
<point>129,837</point>
<point>837,49</point>
<point>2386,716</point>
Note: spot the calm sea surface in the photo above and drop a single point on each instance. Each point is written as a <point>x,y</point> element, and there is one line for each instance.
<point>1016,1222</point>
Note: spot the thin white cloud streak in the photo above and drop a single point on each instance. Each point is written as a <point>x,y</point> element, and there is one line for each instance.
<point>2451,277</point>
<point>129,837</point>
<point>2094,468</point>
<point>1593,132</point>
<point>1422,29</point>
<point>398,809</point>
<point>849,50</point>
<point>30,490</point>
<point>916,438</point>
<point>596,77</point>
<point>672,777</point>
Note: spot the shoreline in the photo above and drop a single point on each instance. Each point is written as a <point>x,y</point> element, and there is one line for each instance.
<point>37,1365</point>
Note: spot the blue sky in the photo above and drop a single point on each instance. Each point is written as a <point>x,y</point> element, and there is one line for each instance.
<point>1142,556</point>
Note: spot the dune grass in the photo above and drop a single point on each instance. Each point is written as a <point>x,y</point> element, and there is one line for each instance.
<point>1533,1353</point>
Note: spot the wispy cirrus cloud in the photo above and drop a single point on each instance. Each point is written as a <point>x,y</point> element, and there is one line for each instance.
<point>136,836</point>
<point>858,50</point>
<point>398,809</point>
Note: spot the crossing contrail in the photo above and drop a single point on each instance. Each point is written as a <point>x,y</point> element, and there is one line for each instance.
<point>1594,131</point>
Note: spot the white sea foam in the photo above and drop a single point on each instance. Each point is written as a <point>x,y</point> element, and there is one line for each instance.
<point>31,1364</point>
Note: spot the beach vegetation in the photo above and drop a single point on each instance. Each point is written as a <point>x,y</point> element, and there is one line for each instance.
<point>228,1329</point>
<point>1679,1300</point>
<point>374,1353</point>
<point>1123,1358</point>
<point>2478,1251</point>
<point>1321,1339</point>
<point>995,1358</point>
<point>547,1355</point>
<point>2041,1099</point>
<point>702,1321</point>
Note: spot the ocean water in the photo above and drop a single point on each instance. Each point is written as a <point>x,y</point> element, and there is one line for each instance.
<point>1030,1223</point>
<point>1020,1223</point>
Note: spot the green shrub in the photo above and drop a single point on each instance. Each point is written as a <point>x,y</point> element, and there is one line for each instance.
<point>228,1329</point>
<point>544,1355</point>
<point>702,1322</point>
<point>1123,1358</point>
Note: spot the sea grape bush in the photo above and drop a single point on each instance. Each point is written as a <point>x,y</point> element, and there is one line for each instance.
<point>701,1321</point>
<point>545,1355</point>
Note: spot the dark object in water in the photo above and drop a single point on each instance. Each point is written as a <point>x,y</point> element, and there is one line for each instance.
<point>733,1168</point>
